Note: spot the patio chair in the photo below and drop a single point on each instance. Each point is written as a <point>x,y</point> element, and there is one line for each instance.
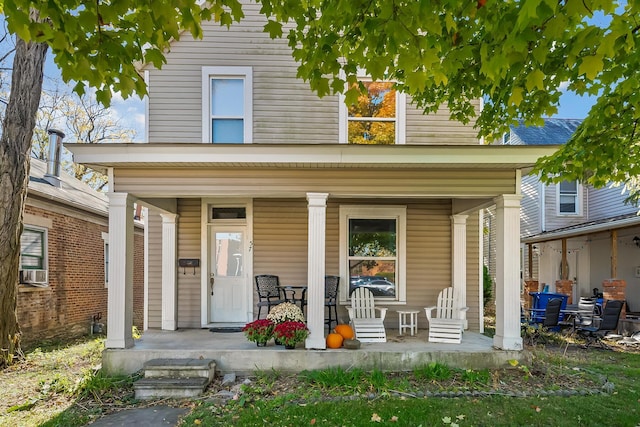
<point>448,323</point>
<point>588,312</point>
<point>608,323</point>
<point>362,314</point>
<point>269,292</point>
<point>550,321</point>
<point>330,299</point>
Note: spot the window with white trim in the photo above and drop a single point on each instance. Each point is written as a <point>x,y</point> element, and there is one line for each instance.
<point>569,198</point>
<point>227,105</point>
<point>33,254</point>
<point>372,251</point>
<point>378,117</point>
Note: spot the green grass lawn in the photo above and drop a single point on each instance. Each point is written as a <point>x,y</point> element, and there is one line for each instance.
<point>603,391</point>
<point>59,386</point>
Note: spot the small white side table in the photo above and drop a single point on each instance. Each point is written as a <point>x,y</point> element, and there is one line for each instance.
<point>408,319</point>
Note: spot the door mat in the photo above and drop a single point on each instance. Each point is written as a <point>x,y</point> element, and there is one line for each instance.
<point>229,329</point>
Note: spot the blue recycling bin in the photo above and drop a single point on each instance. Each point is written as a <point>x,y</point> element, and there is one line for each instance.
<point>539,301</point>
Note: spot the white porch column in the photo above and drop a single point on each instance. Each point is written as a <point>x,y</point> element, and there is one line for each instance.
<point>120,291</point>
<point>169,281</point>
<point>317,206</point>
<point>507,335</point>
<point>459,258</point>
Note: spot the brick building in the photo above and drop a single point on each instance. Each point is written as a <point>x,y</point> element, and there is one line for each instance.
<point>63,280</point>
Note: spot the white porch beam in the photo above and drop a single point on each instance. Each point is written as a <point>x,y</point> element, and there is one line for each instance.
<point>169,280</point>
<point>120,291</point>
<point>507,335</point>
<point>317,206</point>
<point>459,258</point>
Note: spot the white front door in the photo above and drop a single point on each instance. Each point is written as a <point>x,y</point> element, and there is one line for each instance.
<point>228,284</point>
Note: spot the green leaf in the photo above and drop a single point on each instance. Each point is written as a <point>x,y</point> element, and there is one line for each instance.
<point>273,28</point>
<point>591,66</point>
<point>535,80</point>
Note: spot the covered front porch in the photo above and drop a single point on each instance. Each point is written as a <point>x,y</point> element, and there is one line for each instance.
<point>233,353</point>
<point>292,204</point>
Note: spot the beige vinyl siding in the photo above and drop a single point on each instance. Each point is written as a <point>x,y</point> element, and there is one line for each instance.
<point>285,110</point>
<point>338,182</point>
<point>607,202</point>
<point>189,294</point>
<point>154,256</point>
<point>474,270</point>
<point>280,241</point>
<point>280,247</point>
<point>437,128</point>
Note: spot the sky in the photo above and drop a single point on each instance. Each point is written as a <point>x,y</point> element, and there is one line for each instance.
<point>129,112</point>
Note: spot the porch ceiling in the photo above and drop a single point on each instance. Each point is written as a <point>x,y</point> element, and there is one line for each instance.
<point>307,156</point>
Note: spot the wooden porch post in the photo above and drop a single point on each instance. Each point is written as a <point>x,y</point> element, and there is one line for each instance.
<point>120,291</point>
<point>459,258</point>
<point>507,335</point>
<point>564,269</point>
<point>614,254</point>
<point>317,206</point>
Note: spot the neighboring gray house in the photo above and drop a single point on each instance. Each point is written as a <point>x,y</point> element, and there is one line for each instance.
<point>573,232</point>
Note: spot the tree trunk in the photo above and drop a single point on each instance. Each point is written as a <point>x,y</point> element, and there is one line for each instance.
<point>15,149</point>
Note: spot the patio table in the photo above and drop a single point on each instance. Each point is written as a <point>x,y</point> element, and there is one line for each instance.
<point>296,294</point>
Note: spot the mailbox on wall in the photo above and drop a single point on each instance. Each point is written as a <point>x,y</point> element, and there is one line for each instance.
<point>188,262</point>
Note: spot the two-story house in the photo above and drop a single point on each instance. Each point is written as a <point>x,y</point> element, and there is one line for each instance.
<point>246,171</point>
<point>576,237</point>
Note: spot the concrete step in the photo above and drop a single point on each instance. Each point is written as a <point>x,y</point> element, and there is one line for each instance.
<point>180,368</point>
<point>149,388</point>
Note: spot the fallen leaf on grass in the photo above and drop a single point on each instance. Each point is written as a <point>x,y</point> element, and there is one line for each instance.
<point>394,419</point>
<point>376,418</point>
<point>313,421</point>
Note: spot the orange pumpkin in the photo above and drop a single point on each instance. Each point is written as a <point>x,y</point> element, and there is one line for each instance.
<point>346,331</point>
<point>334,340</point>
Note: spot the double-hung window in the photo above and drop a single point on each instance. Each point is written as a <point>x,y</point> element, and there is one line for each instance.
<point>32,249</point>
<point>227,108</point>
<point>372,250</point>
<point>378,117</point>
<point>569,198</point>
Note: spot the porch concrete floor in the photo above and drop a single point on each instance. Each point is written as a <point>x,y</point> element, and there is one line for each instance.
<point>233,353</point>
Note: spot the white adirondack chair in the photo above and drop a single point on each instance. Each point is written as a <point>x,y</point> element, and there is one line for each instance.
<point>362,313</point>
<point>448,323</point>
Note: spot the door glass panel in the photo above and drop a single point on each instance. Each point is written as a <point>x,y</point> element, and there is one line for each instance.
<point>228,247</point>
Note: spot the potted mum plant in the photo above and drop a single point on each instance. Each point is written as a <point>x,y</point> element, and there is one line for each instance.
<point>285,312</point>
<point>260,331</point>
<point>290,333</point>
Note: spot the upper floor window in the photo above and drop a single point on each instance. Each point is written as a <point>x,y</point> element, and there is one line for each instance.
<point>32,249</point>
<point>227,106</point>
<point>568,198</point>
<point>378,117</point>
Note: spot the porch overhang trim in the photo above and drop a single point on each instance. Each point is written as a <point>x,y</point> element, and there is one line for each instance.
<point>582,231</point>
<point>157,155</point>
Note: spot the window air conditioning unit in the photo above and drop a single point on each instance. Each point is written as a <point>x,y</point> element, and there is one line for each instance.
<point>34,276</point>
